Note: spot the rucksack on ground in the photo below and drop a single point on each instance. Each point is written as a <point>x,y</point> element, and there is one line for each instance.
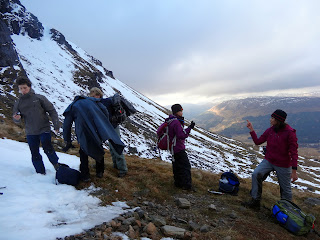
<point>291,217</point>
<point>164,142</point>
<point>67,175</point>
<point>229,183</point>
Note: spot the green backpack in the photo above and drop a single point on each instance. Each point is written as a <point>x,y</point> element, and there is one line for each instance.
<point>290,216</point>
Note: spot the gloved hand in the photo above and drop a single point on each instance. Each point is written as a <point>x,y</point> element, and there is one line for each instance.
<point>67,147</point>
<point>192,125</point>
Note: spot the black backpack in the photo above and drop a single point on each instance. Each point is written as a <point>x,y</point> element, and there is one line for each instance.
<point>118,113</point>
<point>67,175</point>
<point>229,183</point>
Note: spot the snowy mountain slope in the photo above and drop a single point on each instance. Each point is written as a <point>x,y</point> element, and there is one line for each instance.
<point>60,70</point>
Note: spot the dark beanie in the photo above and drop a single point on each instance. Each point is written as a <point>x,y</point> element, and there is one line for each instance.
<point>176,108</point>
<point>279,115</point>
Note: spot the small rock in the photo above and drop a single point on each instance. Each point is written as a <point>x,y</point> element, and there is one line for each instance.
<point>129,221</point>
<point>138,222</point>
<point>212,207</point>
<point>193,226</point>
<point>227,238</point>
<point>233,215</point>
<point>113,224</point>
<point>183,203</point>
<point>187,235</point>
<point>150,228</point>
<point>131,233</point>
<point>158,221</point>
<point>171,231</point>
<point>205,228</point>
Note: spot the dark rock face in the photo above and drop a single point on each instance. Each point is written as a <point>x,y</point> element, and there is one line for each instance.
<point>10,69</point>
<point>8,55</point>
<point>60,39</point>
<point>20,21</point>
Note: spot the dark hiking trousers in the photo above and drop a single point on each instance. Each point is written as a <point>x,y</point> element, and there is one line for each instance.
<point>84,164</point>
<point>34,144</point>
<point>182,170</point>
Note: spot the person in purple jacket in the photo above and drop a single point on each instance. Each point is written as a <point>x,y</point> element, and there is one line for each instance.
<point>177,134</point>
<point>281,156</point>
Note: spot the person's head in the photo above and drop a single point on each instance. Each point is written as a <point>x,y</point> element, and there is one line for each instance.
<point>278,118</point>
<point>96,92</point>
<point>24,85</point>
<point>177,110</point>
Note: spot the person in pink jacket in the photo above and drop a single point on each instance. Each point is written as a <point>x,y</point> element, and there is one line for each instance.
<point>281,156</point>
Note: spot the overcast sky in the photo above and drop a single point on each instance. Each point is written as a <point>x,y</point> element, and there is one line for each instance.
<point>195,51</point>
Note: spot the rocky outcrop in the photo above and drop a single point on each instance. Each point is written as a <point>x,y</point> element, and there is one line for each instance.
<point>10,68</point>
<point>19,21</point>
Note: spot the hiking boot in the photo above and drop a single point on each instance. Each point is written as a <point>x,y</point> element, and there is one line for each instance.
<point>252,203</point>
<point>85,178</point>
<point>189,189</point>
<point>122,174</point>
<point>99,175</point>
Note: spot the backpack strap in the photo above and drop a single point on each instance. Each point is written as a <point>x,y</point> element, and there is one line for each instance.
<point>295,205</point>
<point>174,140</point>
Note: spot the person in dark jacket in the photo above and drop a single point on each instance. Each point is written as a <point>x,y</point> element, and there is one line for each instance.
<point>34,109</point>
<point>177,134</point>
<point>281,156</point>
<point>119,161</point>
<point>92,129</point>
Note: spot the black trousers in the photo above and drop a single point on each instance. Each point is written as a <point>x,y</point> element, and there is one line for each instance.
<point>84,164</point>
<point>182,170</point>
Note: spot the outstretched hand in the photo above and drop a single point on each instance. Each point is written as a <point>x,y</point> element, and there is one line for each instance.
<point>17,117</point>
<point>192,125</point>
<point>249,125</point>
<point>294,176</point>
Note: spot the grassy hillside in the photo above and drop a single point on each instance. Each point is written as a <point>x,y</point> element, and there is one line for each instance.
<point>152,181</point>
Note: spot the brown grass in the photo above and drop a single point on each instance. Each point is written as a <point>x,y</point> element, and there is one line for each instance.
<point>152,179</point>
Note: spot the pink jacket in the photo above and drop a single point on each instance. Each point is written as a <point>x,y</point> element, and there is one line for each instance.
<point>282,147</point>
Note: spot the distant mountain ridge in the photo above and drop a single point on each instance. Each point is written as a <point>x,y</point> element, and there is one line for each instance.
<point>229,118</point>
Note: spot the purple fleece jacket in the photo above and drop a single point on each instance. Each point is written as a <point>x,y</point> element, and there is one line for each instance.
<point>282,146</point>
<point>176,129</point>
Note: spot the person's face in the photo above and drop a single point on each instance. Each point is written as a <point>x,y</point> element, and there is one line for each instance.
<point>24,89</point>
<point>180,113</point>
<point>95,95</point>
<point>273,121</point>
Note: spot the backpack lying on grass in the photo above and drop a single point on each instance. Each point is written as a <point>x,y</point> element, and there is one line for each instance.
<point>290,216</point>
<point>229,183</point>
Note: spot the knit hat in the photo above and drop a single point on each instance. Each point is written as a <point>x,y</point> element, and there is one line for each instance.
<point>176,108</point>
<point>279,115</point>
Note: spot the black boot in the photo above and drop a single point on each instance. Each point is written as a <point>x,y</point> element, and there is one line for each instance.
<point>252,203</point>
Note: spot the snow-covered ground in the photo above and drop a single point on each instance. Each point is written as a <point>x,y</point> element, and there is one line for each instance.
<point>34,207</point>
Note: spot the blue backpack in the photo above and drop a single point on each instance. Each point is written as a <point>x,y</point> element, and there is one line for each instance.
<point>229,183</point>
<point>292,218</point>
